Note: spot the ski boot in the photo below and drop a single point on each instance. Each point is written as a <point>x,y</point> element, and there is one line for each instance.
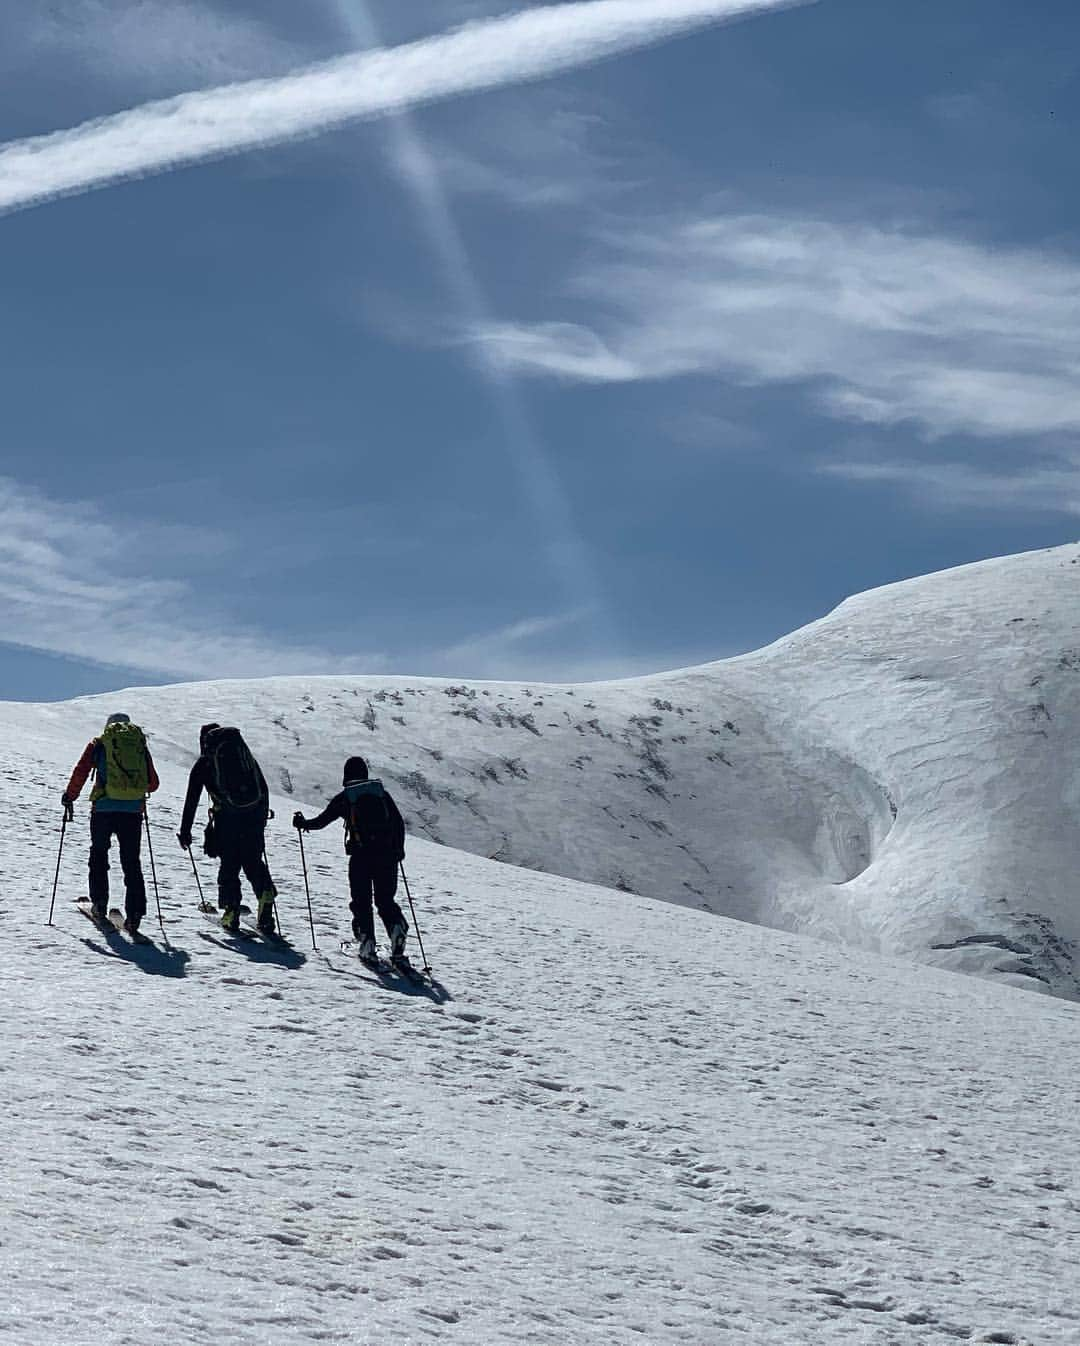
<point>367,952</point>
<point>230,920</point>
<point>398,936</point>
<point>266,923</point>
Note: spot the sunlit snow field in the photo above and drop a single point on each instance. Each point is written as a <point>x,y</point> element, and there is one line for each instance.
<point>613,1118</point>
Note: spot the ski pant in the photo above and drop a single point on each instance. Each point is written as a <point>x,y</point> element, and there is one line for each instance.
<point>241,847</point>
<point>127,829</point>
<point>372,876</point>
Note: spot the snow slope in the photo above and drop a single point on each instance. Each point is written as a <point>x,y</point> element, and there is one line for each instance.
<point>900,776</point>
<point>616,1121</point>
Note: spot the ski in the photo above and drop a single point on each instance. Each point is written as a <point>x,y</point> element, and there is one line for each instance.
<point>102,922</point>
<point>213,915</point>
<point>119,922</point>
<point>401,965</point>
<point>387,967</point>
<point>376,964</point>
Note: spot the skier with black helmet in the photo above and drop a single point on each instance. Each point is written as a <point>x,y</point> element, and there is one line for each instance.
<point>236,833</point>
<point>375,845</point>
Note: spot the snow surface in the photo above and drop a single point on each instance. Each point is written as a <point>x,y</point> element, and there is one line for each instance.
<point>900,776</point>
<point>613,1120</point>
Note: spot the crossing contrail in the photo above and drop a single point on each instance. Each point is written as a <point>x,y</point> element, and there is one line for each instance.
<point>213,123</point>
<point>565,549</point>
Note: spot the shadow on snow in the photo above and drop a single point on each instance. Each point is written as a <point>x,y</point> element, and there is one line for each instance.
<point>257,951</point>
<point>151,958</point>
<point>393,981</point>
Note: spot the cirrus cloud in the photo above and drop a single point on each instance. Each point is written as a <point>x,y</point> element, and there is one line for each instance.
<point>71,583</point>
<point>886,325</point>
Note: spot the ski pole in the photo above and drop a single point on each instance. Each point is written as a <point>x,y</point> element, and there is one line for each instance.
<point>416,923</point>
<point>273,906</point>
<point>153,871</point>
<point>69,812</point>
<point>198,881</point>
<point>307,887</point>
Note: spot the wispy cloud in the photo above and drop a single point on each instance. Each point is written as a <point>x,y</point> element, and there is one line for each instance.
<point>889,326</point>
<point>530,651</point>
<point>501,653</point>
<point>72,582</point>
<point>545,150</point>
<point>1049,488</point>
<point>530,45</point>
<point>154,42</point>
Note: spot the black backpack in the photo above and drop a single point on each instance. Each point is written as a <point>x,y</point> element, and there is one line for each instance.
<point>369,824</point>
<point>236,783</point>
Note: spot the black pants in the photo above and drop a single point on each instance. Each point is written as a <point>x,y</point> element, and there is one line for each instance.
<point>370,877</point>
<point>127,829</point>
<point>241,847</point>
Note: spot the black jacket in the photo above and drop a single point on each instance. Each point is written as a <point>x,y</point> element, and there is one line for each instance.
<point>339,808</point>
<point>201,778</point>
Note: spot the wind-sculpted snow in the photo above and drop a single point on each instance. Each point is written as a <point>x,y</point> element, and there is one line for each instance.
<point>900,776</point>
<point>613,1121</point>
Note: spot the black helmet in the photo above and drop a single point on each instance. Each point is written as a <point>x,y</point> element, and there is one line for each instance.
<point>355,769</point>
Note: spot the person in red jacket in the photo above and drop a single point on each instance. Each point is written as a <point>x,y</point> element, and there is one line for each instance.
<point>124,775</point>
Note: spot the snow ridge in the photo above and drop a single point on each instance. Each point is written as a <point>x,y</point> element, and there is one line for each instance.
<point>899,776</point>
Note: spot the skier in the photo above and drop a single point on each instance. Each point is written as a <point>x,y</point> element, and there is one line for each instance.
<point>236,832</point>
<point>375,845</point>
<point>124,775</point>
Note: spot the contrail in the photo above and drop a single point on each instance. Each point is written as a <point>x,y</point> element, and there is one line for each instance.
<point>565,549</point>
<point>217,122</point>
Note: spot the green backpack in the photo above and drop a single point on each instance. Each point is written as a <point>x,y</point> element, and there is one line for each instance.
<point>125,773</point>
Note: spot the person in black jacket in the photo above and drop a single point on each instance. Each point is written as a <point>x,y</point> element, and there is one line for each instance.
<point>239,810</point>
<point>375,845</point>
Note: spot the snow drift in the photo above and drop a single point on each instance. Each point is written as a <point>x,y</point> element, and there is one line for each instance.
<point>899,776</point>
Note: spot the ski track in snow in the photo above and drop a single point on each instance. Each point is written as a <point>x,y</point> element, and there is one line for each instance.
<point>620,1121</point>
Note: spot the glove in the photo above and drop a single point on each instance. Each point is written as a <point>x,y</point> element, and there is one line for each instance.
<point>299,822</point>
<point>184,838</point>
<point>69,806</point>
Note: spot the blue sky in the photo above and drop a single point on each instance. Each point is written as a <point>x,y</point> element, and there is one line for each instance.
<point>618,366</point>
